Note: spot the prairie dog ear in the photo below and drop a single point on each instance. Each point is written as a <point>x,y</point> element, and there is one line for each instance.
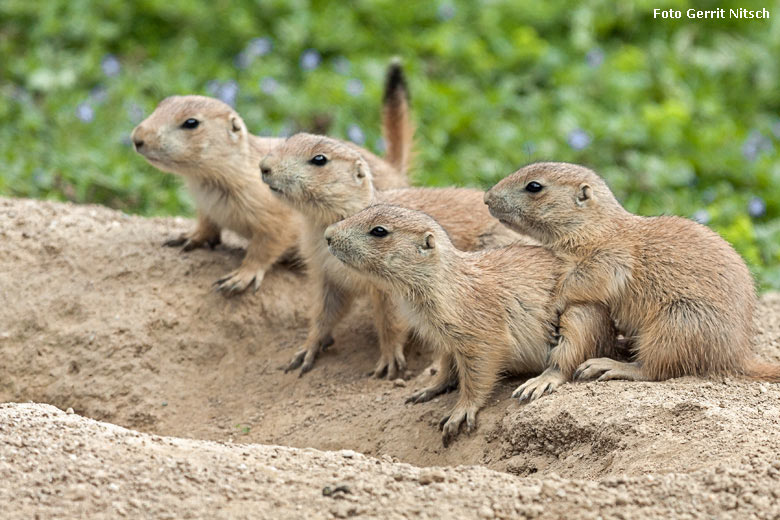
<point>236,127</point>
<point>584,194</point>
<point>428,243</point>
<point>361,170</point>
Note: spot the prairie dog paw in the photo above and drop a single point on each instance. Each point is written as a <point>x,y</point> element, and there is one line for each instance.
<point>451,425</point>
<point>239,281</point>
<point>606,369</point>
<point>540,385</point>
<point>392,366</point>
<point>188,242</point>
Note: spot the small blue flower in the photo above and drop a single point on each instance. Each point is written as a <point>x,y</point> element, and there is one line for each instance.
<point>342,65</point>
<point>578,139</point>
<point>755,144</point>
<point>260,46</point>
<point>310,59</point>
<point>756,207</point>
<point>212,87</point>
<point>354,87</point>
<point>269,85</point>
<point>85,112</point>
<point>242,60</point>
<point>380,145</point>
<point>702,216</point>
<point>595,57</point>
<point>228,92</point>
<point>135,112</point>
<point>110,65</point>
<point>446,11</point>
<point>356,135</point>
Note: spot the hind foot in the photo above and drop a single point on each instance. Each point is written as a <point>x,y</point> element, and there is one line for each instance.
<point>606,369</point>
<point>536,387</point>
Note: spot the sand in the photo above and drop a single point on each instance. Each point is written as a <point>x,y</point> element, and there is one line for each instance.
<point>96,316</point>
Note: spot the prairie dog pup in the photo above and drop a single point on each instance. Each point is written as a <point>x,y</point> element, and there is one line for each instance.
<point>328,180</point>
<point>486,313</point>
<point>680,294</point>
<point>206,142</point>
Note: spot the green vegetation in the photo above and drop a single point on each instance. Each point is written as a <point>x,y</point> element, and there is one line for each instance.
<point>681,116</point>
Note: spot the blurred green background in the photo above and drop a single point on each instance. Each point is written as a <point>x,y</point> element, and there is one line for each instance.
<point>681,116</point>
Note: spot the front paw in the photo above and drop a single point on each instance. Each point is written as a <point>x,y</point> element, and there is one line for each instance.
<point>450,425</point>
<point>393,366</point>
<point>239,281</point>
<point>537,386</point>
<point>188,243</point>
<point>303,359</point>
<point>607,369</point>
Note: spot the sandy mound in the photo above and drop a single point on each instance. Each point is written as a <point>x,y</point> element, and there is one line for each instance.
<point>97,316</point>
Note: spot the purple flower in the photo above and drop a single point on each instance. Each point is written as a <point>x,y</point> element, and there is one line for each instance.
<point>259,46</point>
<point>702,216</point>
<point>212,87</point>
<point>256,47</point>
<point>756,207</point>
<point>578,139</point>
<point>110,65</point>
<point>595,57</point>
<point>445,12</point>
<point>354,87</point>
<point>242,60</point>
<point>755,144</point>
<point>85,112</point>
<point>269,85</point>
<point>135,112</point>
<point>356,135</point>
<point>310,59</point>
<point>228,92</point>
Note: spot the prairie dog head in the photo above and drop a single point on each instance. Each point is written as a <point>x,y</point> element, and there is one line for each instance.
<point>552,202</point>
<point>323,178</point>
<point>188,135</point>
<point>398,247</point>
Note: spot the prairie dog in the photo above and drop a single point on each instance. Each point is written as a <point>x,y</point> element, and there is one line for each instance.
<point>328,180</point>
<point>680,294</point>
<point>206,142</point>
<point>486,313</point>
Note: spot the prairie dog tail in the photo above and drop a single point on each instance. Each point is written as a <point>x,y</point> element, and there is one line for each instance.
<point>397,125</point>
<point>761,371</point>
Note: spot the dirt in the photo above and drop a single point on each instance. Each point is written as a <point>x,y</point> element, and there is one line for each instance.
<point>97,316</point>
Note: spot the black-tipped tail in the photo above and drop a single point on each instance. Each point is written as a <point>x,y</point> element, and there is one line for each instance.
<point>397,126</point>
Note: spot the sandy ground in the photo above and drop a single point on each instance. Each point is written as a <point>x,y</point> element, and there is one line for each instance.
<point>97,316</point>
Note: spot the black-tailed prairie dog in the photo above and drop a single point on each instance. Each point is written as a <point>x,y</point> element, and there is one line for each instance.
<point>679,293</point>
<point>486,313</point>
<point>206,142</point>
<point>327,180</point>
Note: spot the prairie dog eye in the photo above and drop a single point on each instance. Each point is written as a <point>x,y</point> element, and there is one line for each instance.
<point>533,187</point>
<point>319,160</point>
<point>190,123</point>
<point>378,232</point>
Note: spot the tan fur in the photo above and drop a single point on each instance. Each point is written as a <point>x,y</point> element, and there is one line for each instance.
<point>397,125</point>
<point>343,186</point>
<point>486,313</point>
<point>219,160</point>
<point>680,294</point>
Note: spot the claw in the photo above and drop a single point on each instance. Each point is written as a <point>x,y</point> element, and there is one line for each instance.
<point>297,361</point>
<point>174,242</point>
